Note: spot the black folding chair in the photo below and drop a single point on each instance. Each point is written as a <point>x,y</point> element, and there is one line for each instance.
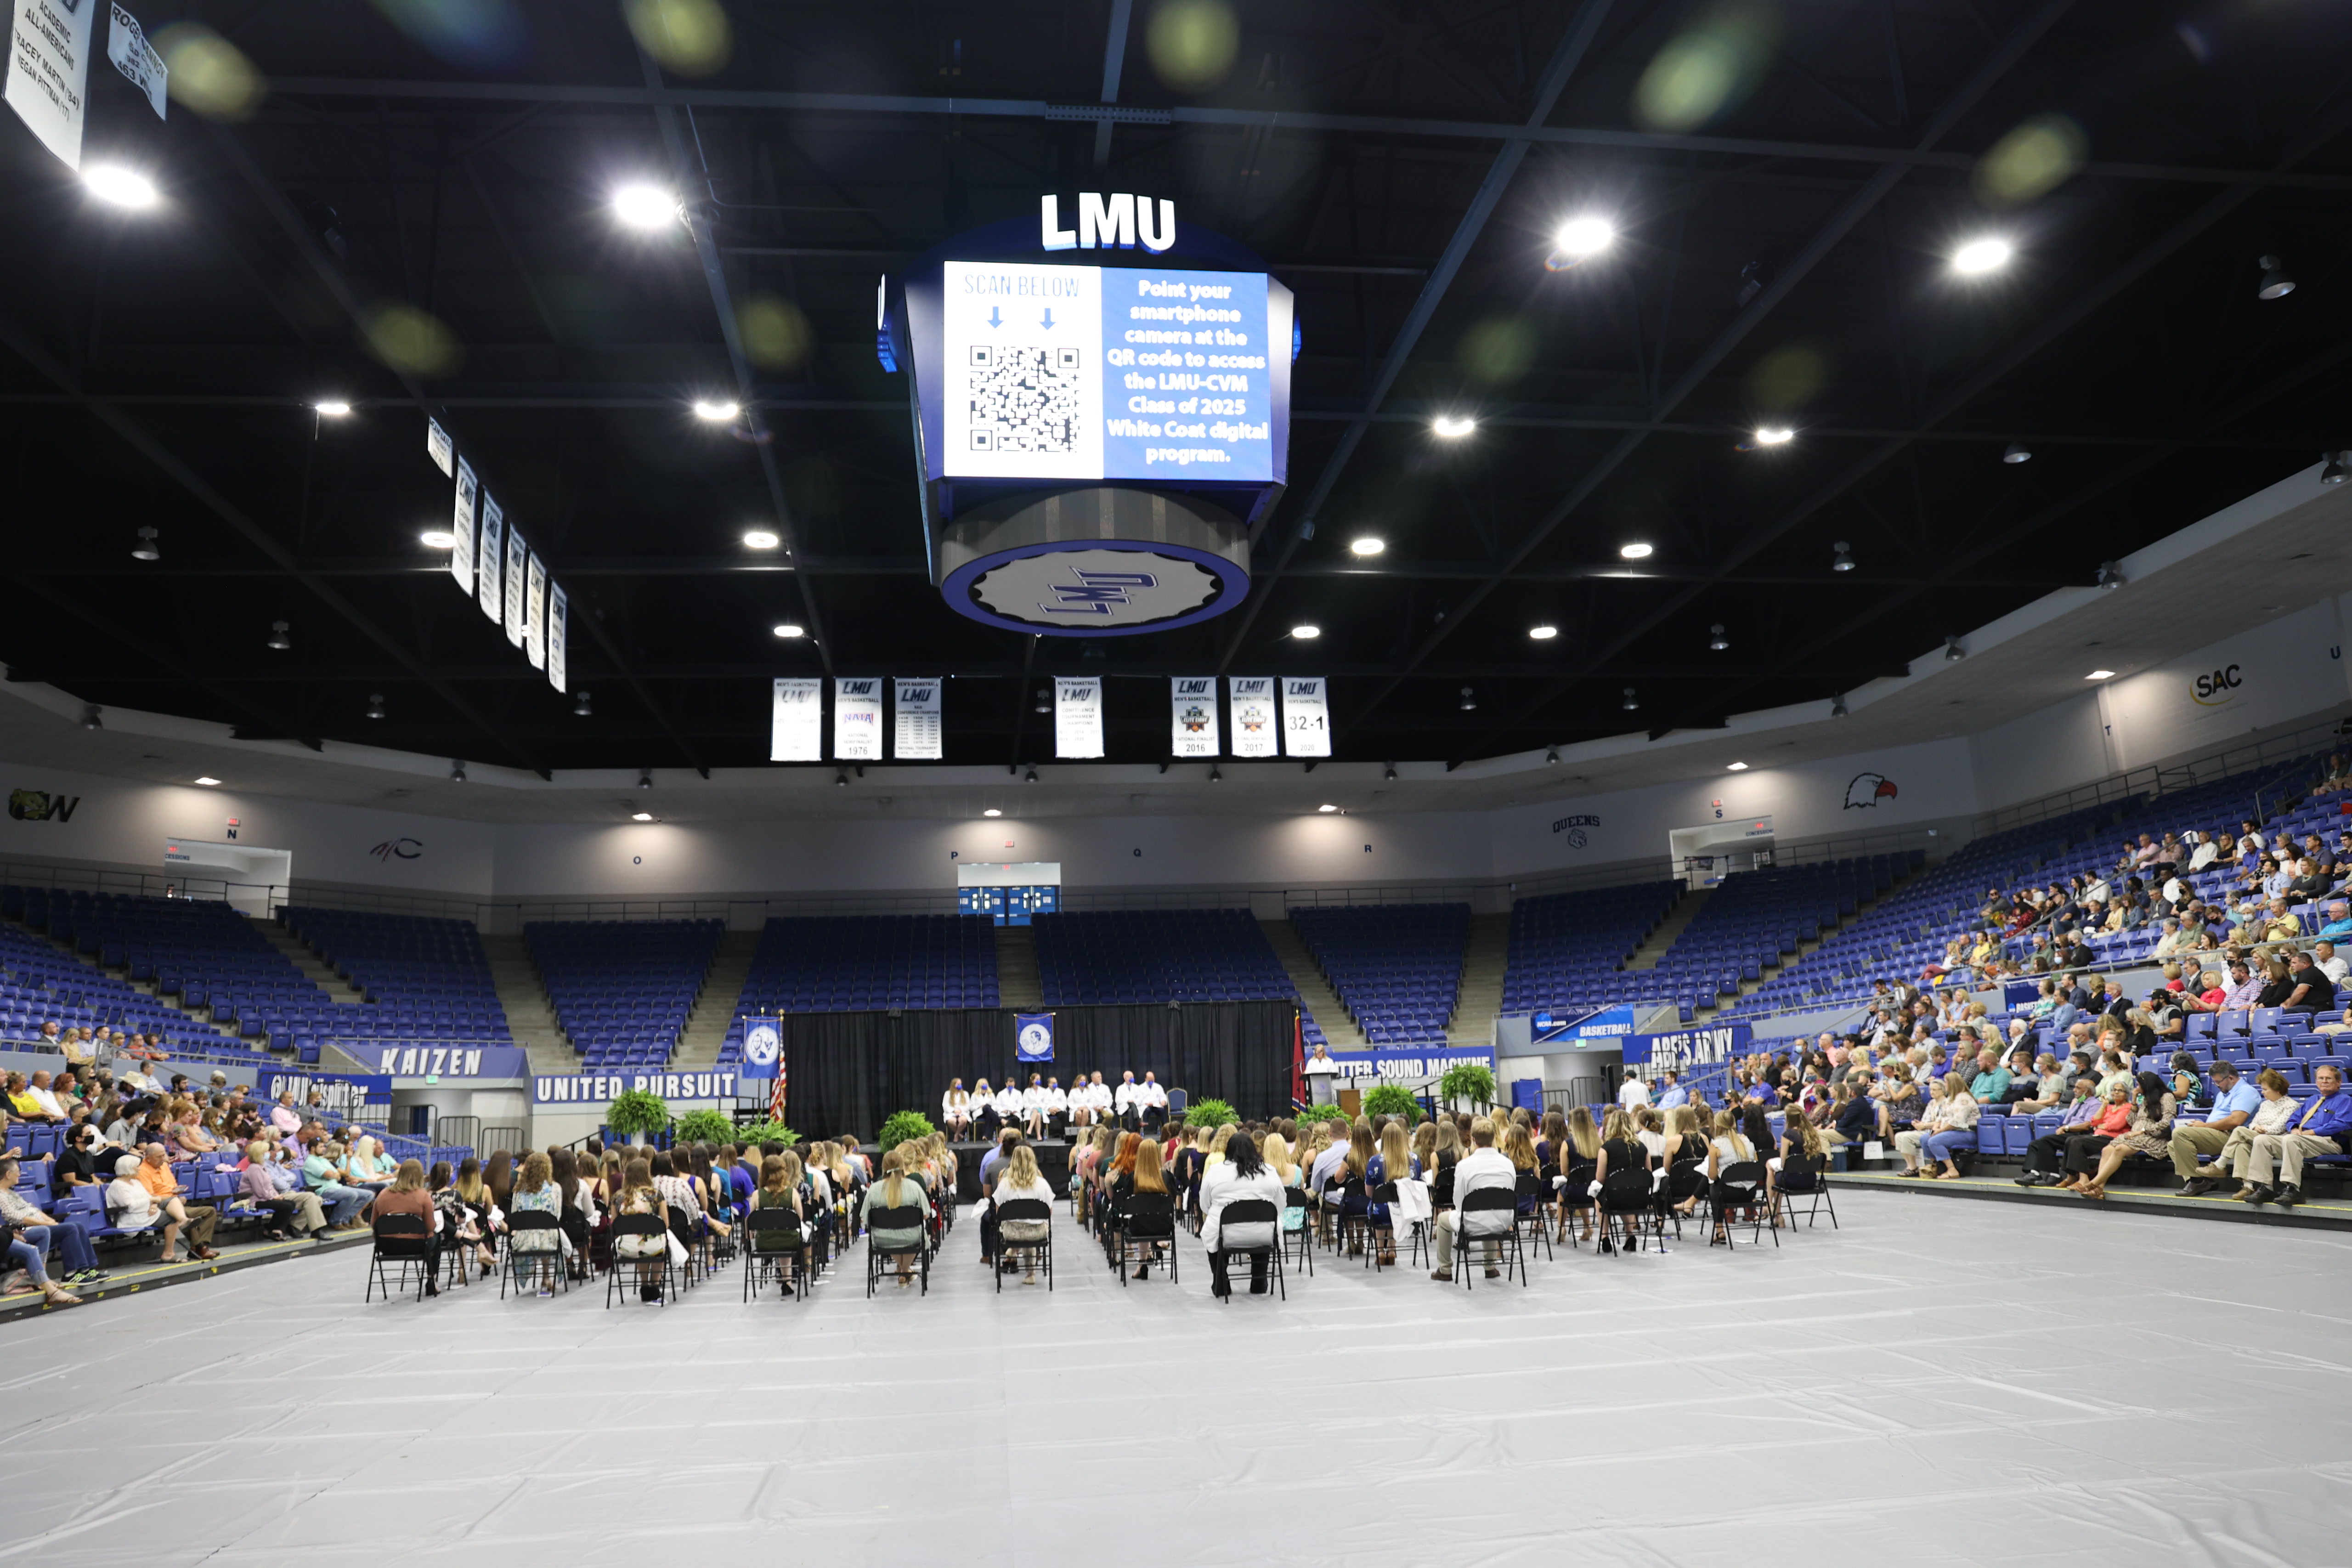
<point>406,1242</point>
<point>1683,1182</point>
<point>681,1226</point>
<point>641,1268</point>
<point>1147,1220</point>
<point>521,1258</point>
<point>1736,1186</point>
<point>1013,1211</point>
<point>1625,1202</point>
<point>1804,1178</point>
<point>1379,1223</point>
<point>1253,1212</point>
<point>1488,1217</point>
<point>1303,1238</point>
<point>1576,1199</point>
<point>1529,1191</point>
<point>775,1245</point>
<point>907,1216</point>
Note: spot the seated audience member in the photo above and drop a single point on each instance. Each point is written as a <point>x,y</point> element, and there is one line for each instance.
<point>294,1212</point>
<point>76,1164</point>
<point>2084,1144</point>
<point>1483,1167</point>
<point>535,1192</point>
<point>130,1206</point>
<point>2149,1133</point>
<point>2235,1101</point>
<point>406,1194</point>
<point>27,1224</point>
<point>1243,1174</point>
<point>155,1176</point>
<point>322,1172</point>
<point>1990,1084</point>
<point>646,1253</point>
<point>2045,1156</point>
<point>955,1110</point>
<point>2312,991</point>
<point>2182,1077</point>
<point>2273,1164</point>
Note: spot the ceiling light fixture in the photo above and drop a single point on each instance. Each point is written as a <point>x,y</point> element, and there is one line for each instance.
<point>641,816</point>
<point>841,778</point>
<point>437,539</point>
<point>1631,703</point>
<point>1326,806</point>
<point>457,770</point>
<point>1552,756</point>
<point>90,716</point>
<point>991,811</point>
<point>2111,574</point>
<point>1453,426</point>
<point>1214,776</point>
<point>1469,703</point>
<point>646,206</point>
<point>123,187</point>
<point>789,630</point>
<point>762,538</point>
<point>1368,546</point>
<point>1636,551</point>
<point>2100,675</point>
<point>1045,700</point>
<point>333,409</point>
<point>644,778</point>
<point>1715,641</point>
<point>1389,772</point>
<point>1987,254</point>
<point>717,410</point>
<point>1544,633</point>
<point>208,781</point>
<point>1837,706</point>
<point>2333,467</point>
<point>375,705</point>
<point>2276,284</point>
<point>1953,651</point>
<point>1773,436</point>
<point>2017,452</point>
<point>1307,631</point>
<point>1031,777</point>
<point>146,549</point>
<point>1737,768</point>
<point>278,637</point>
<point>580,705</point>
<point>1841,559</point>
<point>1580,239</point>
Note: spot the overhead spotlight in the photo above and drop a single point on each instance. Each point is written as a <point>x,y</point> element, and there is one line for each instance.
<point>1715,641</point>
<point>1307,631</point>
<point>1737,767</point>
<point>1217,777</point>
<point>1841,559</point>
<point>1580,239</point>
<point>146,549</point>
<point>1469,702</point>
<point>1031,776</point>
<point>1631,703</point>
<point>760,539</point>
<point>1988,254</point>
<point>209,782</point>
<point>1552,756</point>
<point>1453,426</point>
<point>2111,574</point>
<point>1389,772</point>
<point>1368,546</point>
<point>2100,675</point>
<point>841,778</point>
<point>580,704</point>
<point>437,539</point>
<point>1045,700</point>
<point>1953,651</point>
<point>90,716</point>
<point>641,816</point>
<point>457,770</point>
<point>991,811</point>
<point>333,409</point>
<point>123,187</point>
<point>1544,633</point>
<point>1636,551</point>
<point>1837,706</point>
<point>789,630</point>
<point>375,705</point>
<point>2017,452</point>
<point>1773,436</point>
<point>2333,471</point>
<point>717,410</point>
<point>2276,284</point>
<point>644,778</point>
<point>278,637</point>
<point>646,206</point>
<point>1326,806</point>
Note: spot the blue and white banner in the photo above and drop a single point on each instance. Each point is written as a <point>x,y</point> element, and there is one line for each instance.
<point>1033,1037</point>
<point>411,1059</point>
<point>343,1093</point>
<point>1411,1061</point>
<point>461,527</point>
<point>1195,731</point>
<point>763,1047</point>
<point>1690,1047</point>
<point>857,719</point>
<point>490,559</point>
<point>597,1088</point>
<point>1601,1029</point>
<point>796,731</point>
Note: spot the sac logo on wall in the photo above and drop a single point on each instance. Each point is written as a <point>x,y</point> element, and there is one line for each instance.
<point>1866,790</point>
<point>2218,688</point>
<point>38,806</point>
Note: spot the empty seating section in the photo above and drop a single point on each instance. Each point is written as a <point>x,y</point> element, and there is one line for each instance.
<point>1397,968</point>
<point>1755,919</point>
<point>1156,955</point>
<point>423,979</point>
<point>1566,948</point>
<point>622,989</point>
<point>39,984</point>
<point>848,964</point>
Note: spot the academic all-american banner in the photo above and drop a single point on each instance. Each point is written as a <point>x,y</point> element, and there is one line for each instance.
<point>490,559</point>
<point>797,732</point>
<point>461,526</point>
<point>919,725</point>
<point>1255,728</point>
<point>1195,731</point>
<point>1077,716</point>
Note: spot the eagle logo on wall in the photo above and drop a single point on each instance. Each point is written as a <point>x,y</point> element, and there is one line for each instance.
<point>1868,789</point>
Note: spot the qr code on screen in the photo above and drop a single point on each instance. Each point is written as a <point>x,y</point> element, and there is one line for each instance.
<point>1024,399</point>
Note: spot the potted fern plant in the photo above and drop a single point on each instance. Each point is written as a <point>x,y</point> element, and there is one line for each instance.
<point>1392,1100</point>
<point>706,1127</point>
<point>905,1126</point>
<point>1466,1086</point>
<point>1211,1113</point>
<point>635,1112</point>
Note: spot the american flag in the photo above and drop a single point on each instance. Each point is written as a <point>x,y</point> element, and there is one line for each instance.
<point>776,1096</point>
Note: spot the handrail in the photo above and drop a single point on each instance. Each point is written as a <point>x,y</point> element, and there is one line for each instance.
<point>2156,779</point>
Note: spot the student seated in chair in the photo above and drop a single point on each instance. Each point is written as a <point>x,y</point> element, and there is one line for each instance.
<point>1484,1166</point>
<point>1242,1174</point>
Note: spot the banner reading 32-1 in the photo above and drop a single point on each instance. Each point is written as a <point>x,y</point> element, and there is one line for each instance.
<point>1255,728</point>
<point>1077,716</point>
<point>797,732</point>
<point>857,719</point>
<point>1194,720</point>
<point>1306,716</point>
<point>919,726</point>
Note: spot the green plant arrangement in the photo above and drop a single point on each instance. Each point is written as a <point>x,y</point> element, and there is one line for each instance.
<point>1211,1113</point>
<point>1392,1100</point>
<point>756,1132</point>
<point>706,1127</point>
<point>905,1126</point>
<point>1467,1081</point>
<point>637,1112</point>
<point>1315,1113</point>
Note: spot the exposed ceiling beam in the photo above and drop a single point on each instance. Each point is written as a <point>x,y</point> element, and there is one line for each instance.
<point>64,673</point>
<point>1114,63</point>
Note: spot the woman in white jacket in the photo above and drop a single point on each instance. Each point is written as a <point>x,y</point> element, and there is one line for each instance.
<point>955,1110</point>
<point>1240,1174</point>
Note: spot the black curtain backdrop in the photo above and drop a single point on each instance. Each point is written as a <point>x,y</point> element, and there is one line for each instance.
<point>850,1070</point>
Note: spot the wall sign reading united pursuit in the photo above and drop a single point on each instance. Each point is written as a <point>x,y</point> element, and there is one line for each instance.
<point>599,1088</point>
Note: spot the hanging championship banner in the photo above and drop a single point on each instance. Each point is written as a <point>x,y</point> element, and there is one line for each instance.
<point>534,613</point>
<point>1306,716</point>
<point>49,71</point>
<point>796,734</point>
<point>1194,733</point>
<point>490,557</point>
<point>1077,716</point>
<point>857,719</point>
<point>919,725</point>
<point>441,449</point>
<point>517,555</point>
<point>558,616</point>
<point>135,58</point>
<point>461,527</point>
<point>1254,727</point>
<point>762,1047</point>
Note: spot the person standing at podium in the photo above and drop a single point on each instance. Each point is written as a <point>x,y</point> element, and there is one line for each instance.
<point>1322,1073</point>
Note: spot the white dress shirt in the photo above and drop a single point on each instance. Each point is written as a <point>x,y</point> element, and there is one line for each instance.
<point>1222,1184</point>
<point>1057,1102</point>
<point>1633,1094</point>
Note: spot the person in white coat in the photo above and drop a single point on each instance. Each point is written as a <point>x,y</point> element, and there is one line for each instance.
<point>1010,1105</point>
<point>1242,1173</point>
<point>1153,1100</point>
<point>1057,1110</point>
<point>1033,1106</point>
<point>1123,1101</point>
<point>955,1110</point>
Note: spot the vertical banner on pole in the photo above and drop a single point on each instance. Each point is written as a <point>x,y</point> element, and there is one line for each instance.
<point>918,720</point>
<point>517,555</point>
<point>440,449</point>
<point>1306,716</point>
<point>1255,727</point>
<point>797,732</point>
<point>142,68</point>
<point>857,719</point>
<point>1077,716</point>
<point>490,557</point>
<point>1194,720</point>
<point>49,71</point>
<point>461,527</point>
<point>534,613</point>
<point>559,615</point>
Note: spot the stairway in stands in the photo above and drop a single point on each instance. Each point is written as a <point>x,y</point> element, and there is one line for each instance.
<point>1685,909</point>
<point>1019,989</point>
<point>530,1018</point>
<point>715,1006</point>
<point>145,987</point>
<point>314,968</point>
<point>1315,994</point>
<point>1481,995</point>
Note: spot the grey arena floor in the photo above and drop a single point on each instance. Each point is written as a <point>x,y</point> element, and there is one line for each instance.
<point>1939,1382</point>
